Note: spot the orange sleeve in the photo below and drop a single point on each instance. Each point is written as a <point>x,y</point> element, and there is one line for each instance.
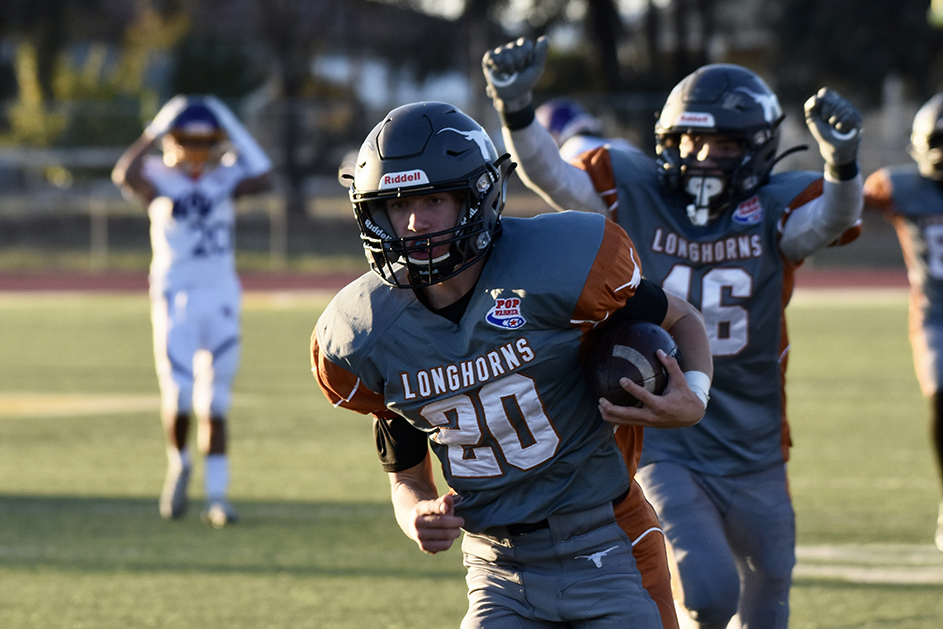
<point>341,387</point>
<point>598,165</point>
<point>612,280</point>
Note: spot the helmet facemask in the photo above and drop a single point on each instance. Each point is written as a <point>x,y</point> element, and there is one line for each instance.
<point>926,138</point>
<point>422,149</point>
<point>928,153</point>
<point>722,101</point>
<point>393,258</point>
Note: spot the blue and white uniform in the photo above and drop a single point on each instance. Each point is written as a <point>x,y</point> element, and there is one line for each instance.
<point>195,291</point>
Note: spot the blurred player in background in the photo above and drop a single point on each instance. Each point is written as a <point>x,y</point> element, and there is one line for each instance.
<point>574,129</point>
<point>467,337</point>
<point>208,160</point>
<point>911,197</point>
<point>716,228</point>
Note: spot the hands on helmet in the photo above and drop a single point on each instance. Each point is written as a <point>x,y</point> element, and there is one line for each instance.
<point>164,119</point>
<point>254,157</point>
<point>512,71</point>
<point>835,124</point>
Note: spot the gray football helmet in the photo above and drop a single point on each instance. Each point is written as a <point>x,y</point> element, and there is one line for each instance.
<point>729,101</point>
<point>926,139</point>
<point>423,148</point>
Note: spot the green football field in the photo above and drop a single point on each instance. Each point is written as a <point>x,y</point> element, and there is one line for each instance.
<point>82,462</point>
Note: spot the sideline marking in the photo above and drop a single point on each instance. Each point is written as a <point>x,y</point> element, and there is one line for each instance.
<point>891,564</point>
<point>45,405</point>
<point>849,296</point>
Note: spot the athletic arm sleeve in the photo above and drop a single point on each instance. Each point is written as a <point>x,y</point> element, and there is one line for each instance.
<point>823,219</point>
<point>400,445</point>
<point>562,185</point>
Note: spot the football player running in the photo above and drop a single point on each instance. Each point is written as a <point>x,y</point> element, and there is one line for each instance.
<point>466,337</point>
<point>714,227</point>
<point>208,160</point>
<point>911,198</point>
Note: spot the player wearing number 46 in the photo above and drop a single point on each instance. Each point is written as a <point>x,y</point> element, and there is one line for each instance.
<point>467,337</point>
<point>713,226</point>
<point>208,160</point>
<point>911,197</point>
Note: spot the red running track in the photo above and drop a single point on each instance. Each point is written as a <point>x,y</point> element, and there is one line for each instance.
<point>845,277</point>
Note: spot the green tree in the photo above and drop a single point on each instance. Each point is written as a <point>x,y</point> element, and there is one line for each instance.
<point>853,45</point>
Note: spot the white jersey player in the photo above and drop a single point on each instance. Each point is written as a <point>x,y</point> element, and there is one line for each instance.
<point>195,293</point>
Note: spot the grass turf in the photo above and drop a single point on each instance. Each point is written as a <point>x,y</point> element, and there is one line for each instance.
<point>81,464</point>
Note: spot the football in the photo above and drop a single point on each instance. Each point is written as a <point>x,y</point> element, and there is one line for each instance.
<point>627,350</point>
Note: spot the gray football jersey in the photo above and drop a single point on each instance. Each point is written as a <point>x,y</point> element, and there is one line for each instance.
<point>732,271</point>
<point>500,394</point>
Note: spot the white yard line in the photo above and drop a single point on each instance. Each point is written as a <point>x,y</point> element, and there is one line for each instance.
<point>871,563</point>
<point>46,405</point>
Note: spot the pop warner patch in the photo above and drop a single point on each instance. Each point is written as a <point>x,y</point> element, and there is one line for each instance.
<point>506,313</point>
<point>750,212</point>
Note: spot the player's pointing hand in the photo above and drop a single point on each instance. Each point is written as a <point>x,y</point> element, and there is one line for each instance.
<point>435,525</point>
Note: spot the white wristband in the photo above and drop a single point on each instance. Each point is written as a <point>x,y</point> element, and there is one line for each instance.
<point>700,383</point>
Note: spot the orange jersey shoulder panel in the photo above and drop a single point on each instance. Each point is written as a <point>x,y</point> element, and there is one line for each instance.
<point>598,165</point>
<point>341,387</point>
<point>879,191</point>
<point>612,280</point>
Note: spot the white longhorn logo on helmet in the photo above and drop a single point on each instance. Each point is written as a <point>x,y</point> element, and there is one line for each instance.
<point>405,178</point>
<point>770,104</point>
<point>478,136</point>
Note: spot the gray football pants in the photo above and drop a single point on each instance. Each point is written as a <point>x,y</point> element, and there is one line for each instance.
<point>578,573</point>
<point>734,539</point>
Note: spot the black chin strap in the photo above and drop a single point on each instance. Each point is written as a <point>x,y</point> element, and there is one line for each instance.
<point>795,149</point>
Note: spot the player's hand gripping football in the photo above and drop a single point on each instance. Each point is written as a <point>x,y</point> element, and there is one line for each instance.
<point>164,119</point>
<point>512,71</point>
<point>677,407</point>
<point>434,524</point>
<point>836,125</point>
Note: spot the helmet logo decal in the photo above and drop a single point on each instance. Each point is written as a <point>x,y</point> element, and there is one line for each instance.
<point>506,313</point>
<point>694,119</point>
<point>375,229</point>
<point>769,103</point>
<point>405,178</point>
<point>478,136</point>
<point>750,212</point>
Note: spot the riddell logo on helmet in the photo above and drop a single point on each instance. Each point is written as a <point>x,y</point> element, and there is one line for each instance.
<point>405,178</point>
<point>694,119</point>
